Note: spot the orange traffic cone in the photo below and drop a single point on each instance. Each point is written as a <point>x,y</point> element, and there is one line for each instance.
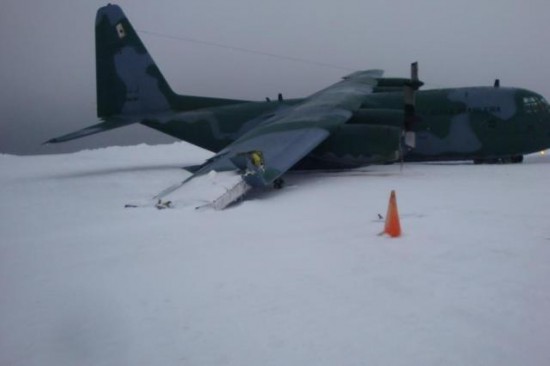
<point>392,226</point>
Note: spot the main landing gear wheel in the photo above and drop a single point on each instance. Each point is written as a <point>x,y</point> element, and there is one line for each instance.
<point>514,159</point>
<point>278,183</point>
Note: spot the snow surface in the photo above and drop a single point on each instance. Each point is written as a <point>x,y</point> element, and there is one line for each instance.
<point>291,277</point>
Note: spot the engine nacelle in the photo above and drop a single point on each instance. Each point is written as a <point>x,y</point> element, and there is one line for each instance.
<point>360,144</point>
<point>378,117</point>
<point>393,82</point>
<point>396,84</point>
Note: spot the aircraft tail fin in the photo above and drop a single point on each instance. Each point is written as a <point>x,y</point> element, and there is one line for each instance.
<point>128,80</point>
<point>130,86</point>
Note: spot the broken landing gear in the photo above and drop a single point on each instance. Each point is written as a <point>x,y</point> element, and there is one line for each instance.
<point>278,183</point>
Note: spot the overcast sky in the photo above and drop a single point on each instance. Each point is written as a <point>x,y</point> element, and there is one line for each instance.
<point>47,64</point>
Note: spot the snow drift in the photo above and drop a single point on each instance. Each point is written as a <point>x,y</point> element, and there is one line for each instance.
<point>291,277</point>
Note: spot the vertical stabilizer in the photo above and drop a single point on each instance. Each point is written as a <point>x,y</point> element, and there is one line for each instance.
<point>128,80</point>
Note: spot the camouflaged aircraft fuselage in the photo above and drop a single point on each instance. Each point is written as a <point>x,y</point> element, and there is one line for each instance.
<point>479,123</point>
<point>476,123</point>
<point>473,123</point>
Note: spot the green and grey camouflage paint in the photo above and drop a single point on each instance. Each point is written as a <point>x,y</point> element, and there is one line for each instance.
<point>481,123</point>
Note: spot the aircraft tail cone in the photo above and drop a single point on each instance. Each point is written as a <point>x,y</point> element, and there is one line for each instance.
<point>392,226</point>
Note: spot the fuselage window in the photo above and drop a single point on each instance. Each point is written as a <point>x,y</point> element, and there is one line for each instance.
<point>544,105</point>
<point>535,105</point>
<point>530,104</point>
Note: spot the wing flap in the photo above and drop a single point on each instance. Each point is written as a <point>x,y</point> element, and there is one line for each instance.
<point>280,151</point>
<point>266,152</point>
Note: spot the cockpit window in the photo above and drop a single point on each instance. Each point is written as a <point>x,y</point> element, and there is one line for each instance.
<point>535,105</point>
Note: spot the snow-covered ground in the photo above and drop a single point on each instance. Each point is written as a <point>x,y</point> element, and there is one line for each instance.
<point>291,277</point>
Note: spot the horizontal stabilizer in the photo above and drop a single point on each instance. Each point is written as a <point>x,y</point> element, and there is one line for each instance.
<point>108,125</point>
<point>193,168</point>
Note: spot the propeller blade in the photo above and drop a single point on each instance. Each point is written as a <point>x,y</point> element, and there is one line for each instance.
<point>410,106</point>
<point>414,71</point>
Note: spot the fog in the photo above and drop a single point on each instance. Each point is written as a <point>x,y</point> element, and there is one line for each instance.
<point>47,63</point>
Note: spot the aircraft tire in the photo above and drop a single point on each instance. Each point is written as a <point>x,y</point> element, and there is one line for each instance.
<point>516,159</point>
<point>278,183</point>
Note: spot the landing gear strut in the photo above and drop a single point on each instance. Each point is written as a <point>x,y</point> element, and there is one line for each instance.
<point>516,159</point>
<point>278,183</point>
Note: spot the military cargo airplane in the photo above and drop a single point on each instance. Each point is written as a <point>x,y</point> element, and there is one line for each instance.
<point>365,118</point>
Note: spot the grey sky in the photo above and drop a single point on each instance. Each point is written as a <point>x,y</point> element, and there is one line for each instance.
<point>47,69</point>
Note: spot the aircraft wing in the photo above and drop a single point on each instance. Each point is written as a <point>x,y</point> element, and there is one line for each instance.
<point>266,152</point>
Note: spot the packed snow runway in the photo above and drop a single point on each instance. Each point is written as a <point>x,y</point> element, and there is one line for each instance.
<point>291,277</point>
